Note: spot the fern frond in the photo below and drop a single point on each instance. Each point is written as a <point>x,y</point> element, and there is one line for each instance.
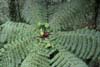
<point>66,59</point>
<point>35,14</point>
<point>12,31</point>
<point>84,43</point>
<point>4,11</point>
<point>37,58</point>
<point>72,14</point>
<point>61,59</point>
<point>27,53</point>
<point>14,53</point>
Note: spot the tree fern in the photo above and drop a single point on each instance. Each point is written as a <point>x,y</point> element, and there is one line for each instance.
<point>22,45</point>
<point>13,54</point>
<point>52,35</point>
<point>84,42</point>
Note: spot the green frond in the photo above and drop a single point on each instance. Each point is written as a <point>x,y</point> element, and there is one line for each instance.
<point>61,59</point>
<point>12,31</point>
<point>34,11</point>
<point>28,52</point>
<point>4,11</point>
<point>37,58</point>
<point>84,43</point>
<point>66,59</point>
<point>72,14</point>
<point>12,54</point>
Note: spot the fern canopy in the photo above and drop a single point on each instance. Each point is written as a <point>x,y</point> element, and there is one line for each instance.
<point>20,50</point>
<point>51,33</point>
<point>24,53</point>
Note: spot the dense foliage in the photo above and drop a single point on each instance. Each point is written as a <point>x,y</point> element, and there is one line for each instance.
<point>49,33</point>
